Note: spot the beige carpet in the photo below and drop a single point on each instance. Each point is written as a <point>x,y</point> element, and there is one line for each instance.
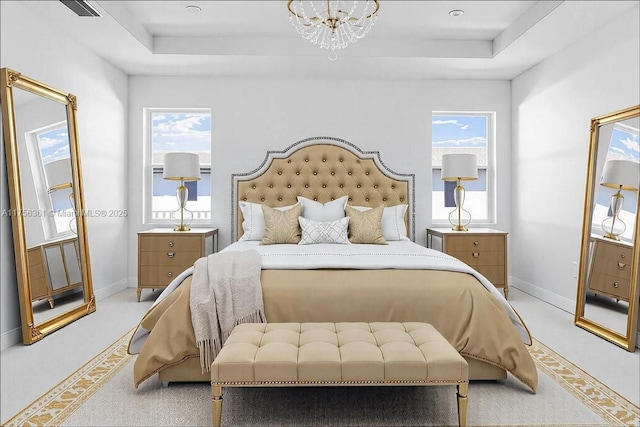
<point>101,393</point>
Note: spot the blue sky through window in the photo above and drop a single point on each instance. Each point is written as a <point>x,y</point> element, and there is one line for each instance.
<point>54,144</point>
<point>459,131</point>
<point>624,145</point>
<point>188,132</point>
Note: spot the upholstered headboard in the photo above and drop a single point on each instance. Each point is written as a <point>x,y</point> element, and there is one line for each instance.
<point>322,169</point>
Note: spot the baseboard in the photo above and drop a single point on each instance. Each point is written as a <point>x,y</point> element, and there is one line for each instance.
<point>556,300</point>
<point>114,288</point>
<point>10,338</point>
<point>14,336</point>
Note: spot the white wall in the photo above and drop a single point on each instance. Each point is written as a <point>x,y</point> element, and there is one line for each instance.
<point>553,104</point>
<point>32,47</point>
<point>252,115</point>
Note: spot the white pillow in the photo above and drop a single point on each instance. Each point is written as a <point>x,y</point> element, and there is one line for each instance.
<point>253,223</point>
<point>317,211</point>
<point>324,232</point>
<point>393,225</point>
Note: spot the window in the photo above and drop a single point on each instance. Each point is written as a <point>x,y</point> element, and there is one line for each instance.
<point>177,130</point>
<point>463,132</point>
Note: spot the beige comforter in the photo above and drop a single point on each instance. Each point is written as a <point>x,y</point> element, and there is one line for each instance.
<point>462,310</point>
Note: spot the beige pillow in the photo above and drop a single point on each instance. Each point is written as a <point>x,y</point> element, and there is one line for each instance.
<point>281,226</point>
<point>366,226</point>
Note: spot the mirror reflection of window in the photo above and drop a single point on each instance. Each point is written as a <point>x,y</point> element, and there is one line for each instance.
<point>52,161</point>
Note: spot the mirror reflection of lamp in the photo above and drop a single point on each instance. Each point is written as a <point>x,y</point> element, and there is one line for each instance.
<point>58,175</point>
<point>182,167</point>
<point>459,167</point>
<point>619,175</point>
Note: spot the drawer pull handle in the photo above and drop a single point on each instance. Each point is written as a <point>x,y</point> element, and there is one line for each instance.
<point>615,284</point>
<point>170,244</point>
<point>171,254</point>
<point>169,274</point>
<point>476,243</point>
<point>622,255</point>
<point>476,254</point>
<point>621,266</point>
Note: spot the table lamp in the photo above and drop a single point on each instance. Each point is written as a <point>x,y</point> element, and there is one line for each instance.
<point>619,175</point>
<point>459,167</point>
<point>182,167</point>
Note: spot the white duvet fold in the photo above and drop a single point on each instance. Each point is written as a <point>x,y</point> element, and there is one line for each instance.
<point>396,255</point>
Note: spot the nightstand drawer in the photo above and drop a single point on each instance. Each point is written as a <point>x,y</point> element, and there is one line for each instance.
<point>475,243</point>
<point>168,243</point>
<point>620,270</point>
<point>494,273</point>
<point>170,258</point>
<point>610,285</point>
<point>613,252</point>
<point>479,258</point>
<point>160,275</point>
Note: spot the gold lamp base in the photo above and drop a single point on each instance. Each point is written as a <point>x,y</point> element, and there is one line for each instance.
<point>460,228</point>
<point>181,228</point>
<point>611,236</point>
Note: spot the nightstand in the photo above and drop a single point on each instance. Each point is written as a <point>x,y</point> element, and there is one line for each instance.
<point>610,272</point>
<point>484,249</point>
<point>164,253</point>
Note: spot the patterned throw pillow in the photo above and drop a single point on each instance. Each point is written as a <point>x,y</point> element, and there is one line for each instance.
<point>393,225</point>
<point>253,223</point>
<point>324,232</point>
<point>365,227</point>
<point>281,226</point>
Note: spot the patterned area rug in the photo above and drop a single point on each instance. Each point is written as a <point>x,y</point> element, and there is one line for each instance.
<point>65,401</point>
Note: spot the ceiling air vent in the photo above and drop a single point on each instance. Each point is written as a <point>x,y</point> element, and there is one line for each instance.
<point>80,7</point>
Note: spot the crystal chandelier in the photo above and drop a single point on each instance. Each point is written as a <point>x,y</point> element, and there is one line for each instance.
<point>333,24</point>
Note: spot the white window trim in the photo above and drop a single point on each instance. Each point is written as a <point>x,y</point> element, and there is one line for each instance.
<point>147,169</point>
<point>491,167</point>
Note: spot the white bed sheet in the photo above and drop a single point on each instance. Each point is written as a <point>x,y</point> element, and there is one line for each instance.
<point>396,255</point>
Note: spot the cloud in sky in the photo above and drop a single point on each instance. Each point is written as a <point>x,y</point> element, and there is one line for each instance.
<point>631,143</point>
<point>184,131</point>
<point>462,126</point>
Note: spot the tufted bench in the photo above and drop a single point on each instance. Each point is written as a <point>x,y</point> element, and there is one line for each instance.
<point>337,354</point>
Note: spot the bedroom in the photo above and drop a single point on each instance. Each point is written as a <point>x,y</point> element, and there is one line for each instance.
<point>543,126</point>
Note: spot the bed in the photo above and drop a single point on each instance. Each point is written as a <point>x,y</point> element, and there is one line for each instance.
<point>395,282</point>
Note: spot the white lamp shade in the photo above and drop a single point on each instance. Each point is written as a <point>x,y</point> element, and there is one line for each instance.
<point>58,172</point>
<point>461,166</point>
<point>621,174</point>
<point>181,166</point>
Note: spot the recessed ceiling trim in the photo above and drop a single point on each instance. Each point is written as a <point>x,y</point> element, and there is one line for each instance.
<point>294,47</point>
<point>81,8</point>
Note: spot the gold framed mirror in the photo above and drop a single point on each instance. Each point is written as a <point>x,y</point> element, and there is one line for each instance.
<point>45,192</point>
<point>607,300</point>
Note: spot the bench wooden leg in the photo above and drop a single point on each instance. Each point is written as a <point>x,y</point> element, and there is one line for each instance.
<point>216,404</point>
<point>462,404</point>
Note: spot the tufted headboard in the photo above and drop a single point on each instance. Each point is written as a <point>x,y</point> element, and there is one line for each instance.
<point>322,169</point>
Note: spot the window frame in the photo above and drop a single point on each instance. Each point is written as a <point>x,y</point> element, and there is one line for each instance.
<point>149,167</point>
<point>490,169</point>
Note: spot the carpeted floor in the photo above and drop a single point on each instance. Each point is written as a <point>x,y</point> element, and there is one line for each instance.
<point>101,393</point>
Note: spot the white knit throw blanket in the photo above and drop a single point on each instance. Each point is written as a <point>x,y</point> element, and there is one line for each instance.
<point>225,291</point>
